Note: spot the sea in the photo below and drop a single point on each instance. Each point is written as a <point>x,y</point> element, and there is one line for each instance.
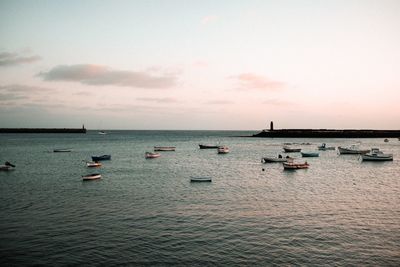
<point>146,212</point>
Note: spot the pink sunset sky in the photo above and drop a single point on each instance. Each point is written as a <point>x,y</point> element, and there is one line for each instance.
<point>200,64</point>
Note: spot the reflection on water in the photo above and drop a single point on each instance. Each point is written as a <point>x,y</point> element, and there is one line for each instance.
<point>340,211</point>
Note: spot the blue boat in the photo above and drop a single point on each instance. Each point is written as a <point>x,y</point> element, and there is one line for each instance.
<point>309,154</point>
<point>103,157</point>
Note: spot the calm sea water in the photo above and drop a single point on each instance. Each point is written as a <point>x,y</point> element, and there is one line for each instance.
<point>340,211</point>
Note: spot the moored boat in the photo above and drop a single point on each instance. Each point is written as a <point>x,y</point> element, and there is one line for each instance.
<point>290,165</point>
<point>7,166</point>
<point>377,155</point>
<point>290,150</point>
<point>102,132</point>
<point>102,157</point>
<point>207,146</point>
<point>323,147</point>
<point>223,150</point>
<point>151,155</point>
<point>93,164</point>
<point>164,148</point>
<point>93,176</point>
<point>62,150</point>
<point>386,140</point>
<point>353,149</point>
<point>275,159</point>
<point>309,154</point>
<point>200,179</point>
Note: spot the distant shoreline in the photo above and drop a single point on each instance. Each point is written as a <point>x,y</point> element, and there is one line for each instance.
<point>43,130</point>
<point>327,133</point>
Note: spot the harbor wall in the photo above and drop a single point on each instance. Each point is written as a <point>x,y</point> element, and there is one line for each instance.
<point>328,133</point>
<point>42,130</point>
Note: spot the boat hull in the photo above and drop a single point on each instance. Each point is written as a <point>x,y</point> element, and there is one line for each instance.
<point>343,150</point>
<point>273,160</point>
<point>164,148</point>
<point>91,177</point>
<point>149,155</point>
<point>200,179</point>
<point>295,166</point>
<point>61,150</point>
<point>309,155</point>
<point>291,150</point>
<point>93,164</point>
<point>377,158</point>
<point>103,157</point>
<point>207,146</point>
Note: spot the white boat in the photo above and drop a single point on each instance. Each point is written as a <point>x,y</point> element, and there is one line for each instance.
<point>93,164</point>
<point>376,155</point>
<point>7,166</point>
<point>353,149</point>
<point>223,150</point>
<point>200,179</point>
<point>102,132</point>
<point>323,147</point>
<point>93,176</point>
<point>151,155</point>
<point>164,148</point>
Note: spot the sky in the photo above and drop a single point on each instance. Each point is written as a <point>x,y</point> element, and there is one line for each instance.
<point>193,65</point>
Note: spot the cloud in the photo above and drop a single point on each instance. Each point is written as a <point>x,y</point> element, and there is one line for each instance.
<point>11,59</point>
<point>102,75</point>
<point>23,88</point>
<point>219,102</point>
<point>208,19</point>
<point>254,81</point>
<point>277,102</point>
<point>158,100</point>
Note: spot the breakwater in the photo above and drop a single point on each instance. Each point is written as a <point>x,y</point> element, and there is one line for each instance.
<point>43,130</point>
<point>327,133</point>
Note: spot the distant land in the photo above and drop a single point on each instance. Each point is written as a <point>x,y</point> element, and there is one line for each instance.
<point>326,133</point>
<point>43,130</point>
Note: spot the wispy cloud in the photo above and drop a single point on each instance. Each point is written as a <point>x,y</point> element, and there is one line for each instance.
<point>12,59</point>
<point>102,75</point>
<point>277,102</point>
<point>219,102</point>
<point>23,88</point>
<point>158,100</point>
<point>209,19</point>
<point>255,81</point>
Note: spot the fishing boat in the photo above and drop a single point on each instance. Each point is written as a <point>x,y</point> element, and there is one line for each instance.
<point>353,149</point>
<point>164,148</point>
<point>290,165</point>
<point>93,164</point>
<point>309,154</point>
<point>62,150</point>
<point>102,157</point>
<point>376,155</point>
<point>200,179</point>
<point>208,146</point>
<point>275,159</point>
<point>323,147</point>
<point>223,150</point>
<point>290,150</point>
<point>7,166</point>
<point>151,155</point>
<point>90,177</point>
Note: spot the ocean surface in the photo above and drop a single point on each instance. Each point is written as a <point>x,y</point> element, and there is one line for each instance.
<point>340,211</point>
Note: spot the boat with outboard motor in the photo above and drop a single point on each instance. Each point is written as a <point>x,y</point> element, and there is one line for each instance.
<point>323,147</point>
<point>376,155</point>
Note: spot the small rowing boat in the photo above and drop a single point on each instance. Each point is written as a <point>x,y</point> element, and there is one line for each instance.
<point>200,179</point>
<point>102,157</point>
<point>290,150</point>
<point>164,148</point>
<point>62,150</point>
<point>90,177</point>
<point>274,160</point>
<point>223,150</point>
<point>93,164</point>
<point>353,149</point>
<point>309,154</point>
<point>151,155</point>
<point>290,165</point>
<point>208,146</point>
